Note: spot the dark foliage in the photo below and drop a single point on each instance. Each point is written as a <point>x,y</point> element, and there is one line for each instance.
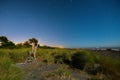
<point>63,58</point>
<point>79,60</point>
<point>5,43</point>
<point>33,40</point>
<point>46,47</point>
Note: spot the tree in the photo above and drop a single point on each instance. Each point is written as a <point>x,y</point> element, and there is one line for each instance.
<point>3,39</point>
<point>6,43</point>
<point>26,44</point>
<point>19,45</point>
<point>33,40</point>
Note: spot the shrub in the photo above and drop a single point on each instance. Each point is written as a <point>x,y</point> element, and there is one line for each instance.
<point>63,58</point>
<point>81,58</point>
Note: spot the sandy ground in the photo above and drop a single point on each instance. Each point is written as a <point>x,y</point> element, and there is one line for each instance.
<point>43,71</point>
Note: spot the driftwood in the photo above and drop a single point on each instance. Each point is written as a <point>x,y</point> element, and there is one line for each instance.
<point>32,55</point>
<point>34,49</point>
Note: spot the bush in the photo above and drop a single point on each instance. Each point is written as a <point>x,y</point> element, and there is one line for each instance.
<point>81,58</point>
<point>63,58</point>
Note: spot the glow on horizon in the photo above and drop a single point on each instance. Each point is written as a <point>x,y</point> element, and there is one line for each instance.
<point>42,43</point>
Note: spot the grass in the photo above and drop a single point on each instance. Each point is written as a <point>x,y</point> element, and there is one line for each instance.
<point>61,73</point>
<point>16,55</point>
<point>9,71</point>
<point>109,67</point>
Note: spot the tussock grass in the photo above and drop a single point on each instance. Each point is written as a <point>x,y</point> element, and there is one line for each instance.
<point>9,71</point>
<point>109,66</point>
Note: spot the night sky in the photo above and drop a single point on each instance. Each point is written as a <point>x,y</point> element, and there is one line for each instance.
<point>69,23</point>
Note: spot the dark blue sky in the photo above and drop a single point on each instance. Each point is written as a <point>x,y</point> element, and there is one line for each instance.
<point>69,23</point>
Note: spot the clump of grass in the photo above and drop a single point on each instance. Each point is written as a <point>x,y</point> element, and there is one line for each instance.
<point>60,73</point>
<point>110,67</point>
<point>81,58</point>
<point>5,63</point>
<point>48,75</point>
<point>48,59</point>
<point>8,71</point>
<point>16,55</point>
<point>63,72</point>
<point>4,52</point>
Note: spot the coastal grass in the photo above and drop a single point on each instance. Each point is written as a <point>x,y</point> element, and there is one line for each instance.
<point>9,71</point>
<point>109,66</point>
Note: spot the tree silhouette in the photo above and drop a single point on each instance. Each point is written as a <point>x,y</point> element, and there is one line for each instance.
<point>3,39</point>
<point>6,43</point>
<point>33,40</point>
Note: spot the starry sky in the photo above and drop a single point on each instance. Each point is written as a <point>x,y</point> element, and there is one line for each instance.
<point>69,23</point>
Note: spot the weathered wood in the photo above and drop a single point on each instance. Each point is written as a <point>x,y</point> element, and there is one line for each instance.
<point>32,55</point>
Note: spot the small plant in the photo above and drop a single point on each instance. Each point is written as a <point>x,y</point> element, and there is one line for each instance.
<point>63,72</point>
<point>48,75</point>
